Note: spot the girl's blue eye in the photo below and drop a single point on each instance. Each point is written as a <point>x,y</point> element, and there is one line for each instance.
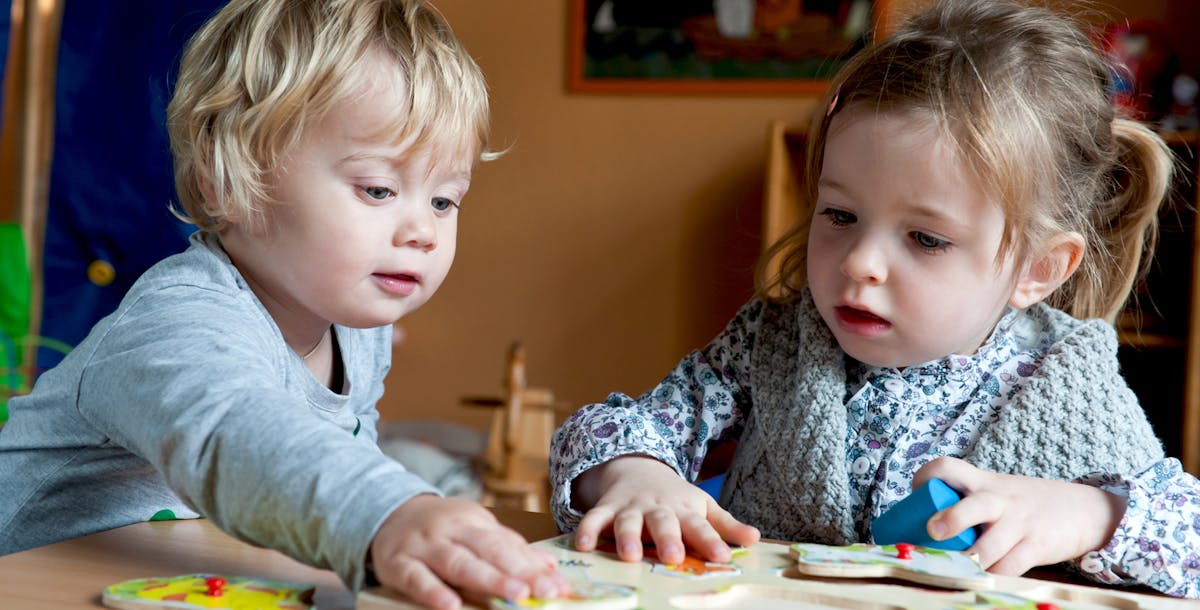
<point>442,204</point>
<point>929,242</point>
<point>377,192</point>
<point>839,218</point>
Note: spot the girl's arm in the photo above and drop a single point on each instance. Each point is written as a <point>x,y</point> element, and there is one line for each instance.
<point>1142,530</point>
<point>702,400</point>
<point>1157,542</point>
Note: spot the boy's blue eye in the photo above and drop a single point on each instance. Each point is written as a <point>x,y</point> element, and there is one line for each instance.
<point>442,204</point>
<point>377,192</point>
<point>839,218</point>
<point>929,242</point>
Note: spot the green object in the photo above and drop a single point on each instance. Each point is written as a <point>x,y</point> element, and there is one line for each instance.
<point>14,312</point>
<point>14,283</point>
<point>165,514</point>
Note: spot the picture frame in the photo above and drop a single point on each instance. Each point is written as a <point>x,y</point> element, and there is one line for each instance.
<point>715,46</point>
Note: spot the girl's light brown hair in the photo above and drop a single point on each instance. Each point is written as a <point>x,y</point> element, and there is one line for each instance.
<point>1021,92</point>
<point>259,71</point>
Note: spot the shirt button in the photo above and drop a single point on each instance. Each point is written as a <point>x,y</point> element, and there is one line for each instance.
<point>861,465</point>
<point>1092,563</point>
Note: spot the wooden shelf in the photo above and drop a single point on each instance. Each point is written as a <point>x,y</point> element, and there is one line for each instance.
<point>1182,289</point>
<point>1181,138</point>
<point>1140,340</point>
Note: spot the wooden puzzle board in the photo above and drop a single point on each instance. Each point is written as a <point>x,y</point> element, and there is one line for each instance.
<point>764,577</point>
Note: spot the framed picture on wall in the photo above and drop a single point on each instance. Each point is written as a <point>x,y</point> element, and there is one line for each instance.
<point>715,46</point>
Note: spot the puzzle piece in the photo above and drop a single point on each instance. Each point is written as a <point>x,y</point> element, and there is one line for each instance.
<point>936,567</point>
<point>906,520</point>
<point>594,596</point>
<point>208,591</point>
<point>692,567</point>
<point>760,595</point>
<point>999,600</point>
<point>771,577</point>
<point>756,595</point>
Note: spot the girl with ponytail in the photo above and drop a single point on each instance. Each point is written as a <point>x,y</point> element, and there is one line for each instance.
<point>979,217</point>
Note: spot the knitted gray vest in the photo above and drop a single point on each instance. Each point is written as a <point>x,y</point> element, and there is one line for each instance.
<point>789,477</point>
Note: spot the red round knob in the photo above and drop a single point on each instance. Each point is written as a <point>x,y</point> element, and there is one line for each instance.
<point>216,586</point>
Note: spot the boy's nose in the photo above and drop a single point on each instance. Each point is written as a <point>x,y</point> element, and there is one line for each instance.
<point>417,229</point>
<point>865,263</point>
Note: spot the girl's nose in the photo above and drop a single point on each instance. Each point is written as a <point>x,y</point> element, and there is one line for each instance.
<point>865,263</point>
<point>417,228</point>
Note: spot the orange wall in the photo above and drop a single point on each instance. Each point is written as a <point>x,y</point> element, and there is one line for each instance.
<point>618,232</point>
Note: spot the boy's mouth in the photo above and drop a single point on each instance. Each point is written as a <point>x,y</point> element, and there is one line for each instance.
<point>398,283</point>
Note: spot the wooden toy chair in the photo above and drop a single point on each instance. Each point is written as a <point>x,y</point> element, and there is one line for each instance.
<point>515,459</point>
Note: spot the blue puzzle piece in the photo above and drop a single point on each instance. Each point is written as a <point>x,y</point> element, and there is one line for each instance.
<point>905,522</point>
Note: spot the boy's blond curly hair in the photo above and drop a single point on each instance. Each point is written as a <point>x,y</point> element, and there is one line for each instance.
<point>260,71</point>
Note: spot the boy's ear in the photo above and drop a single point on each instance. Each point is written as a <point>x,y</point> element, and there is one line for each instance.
<point>1048,270</point>
<point>209,194</point>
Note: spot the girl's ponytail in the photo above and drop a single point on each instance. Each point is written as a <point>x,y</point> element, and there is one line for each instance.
<point>1126,223</point>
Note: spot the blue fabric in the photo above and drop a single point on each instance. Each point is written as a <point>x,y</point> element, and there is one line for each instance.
<point>111,176</point>
<point>712,486</point>
<point>5,37</point>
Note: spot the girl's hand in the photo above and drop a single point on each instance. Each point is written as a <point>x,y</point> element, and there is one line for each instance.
<point>429,544</point>
<point>635,495</point>
<point>1027,521</point>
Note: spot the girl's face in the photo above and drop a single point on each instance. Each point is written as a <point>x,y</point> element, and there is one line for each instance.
<point>902,252</point>
<point>364,229</point>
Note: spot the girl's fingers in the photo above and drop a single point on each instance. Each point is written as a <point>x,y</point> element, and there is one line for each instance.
<point>664,528</point>
<point>594,522</point>
<point>627,529</point>
<point>1017,561</point>
<point>998,537</point>
<point>729,528</point>
<point>700,535</point>
<point>956,473</point>
<point>976,509</point>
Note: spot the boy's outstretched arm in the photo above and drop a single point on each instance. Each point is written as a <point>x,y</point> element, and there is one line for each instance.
<point>636,494</point>
<point>430,543</point>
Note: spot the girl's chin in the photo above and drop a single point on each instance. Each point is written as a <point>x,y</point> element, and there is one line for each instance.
<point>881,358</point>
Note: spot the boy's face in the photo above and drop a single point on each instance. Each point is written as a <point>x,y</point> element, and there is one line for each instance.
<point>364,229</point>
<point>902,250</point>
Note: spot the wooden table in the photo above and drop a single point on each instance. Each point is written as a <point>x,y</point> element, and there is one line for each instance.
<point>70,575</point>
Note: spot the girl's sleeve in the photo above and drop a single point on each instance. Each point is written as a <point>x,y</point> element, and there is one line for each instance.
<point>702,400</point>
<point>1157,543</point>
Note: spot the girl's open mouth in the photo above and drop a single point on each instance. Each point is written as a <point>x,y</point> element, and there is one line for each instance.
<point>861,321</point>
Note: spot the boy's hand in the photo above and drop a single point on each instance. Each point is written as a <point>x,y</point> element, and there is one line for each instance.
<point>429,544</point>
<point>634,494</point>
<point>1027,521</point>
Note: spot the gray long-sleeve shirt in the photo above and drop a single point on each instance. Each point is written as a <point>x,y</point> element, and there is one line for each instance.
<point>187,400</point>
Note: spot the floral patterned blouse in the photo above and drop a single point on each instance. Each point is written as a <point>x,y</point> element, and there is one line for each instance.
<point>898,420</point>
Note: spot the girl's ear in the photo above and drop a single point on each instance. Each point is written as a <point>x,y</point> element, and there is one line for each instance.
<point>1048,270</point>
